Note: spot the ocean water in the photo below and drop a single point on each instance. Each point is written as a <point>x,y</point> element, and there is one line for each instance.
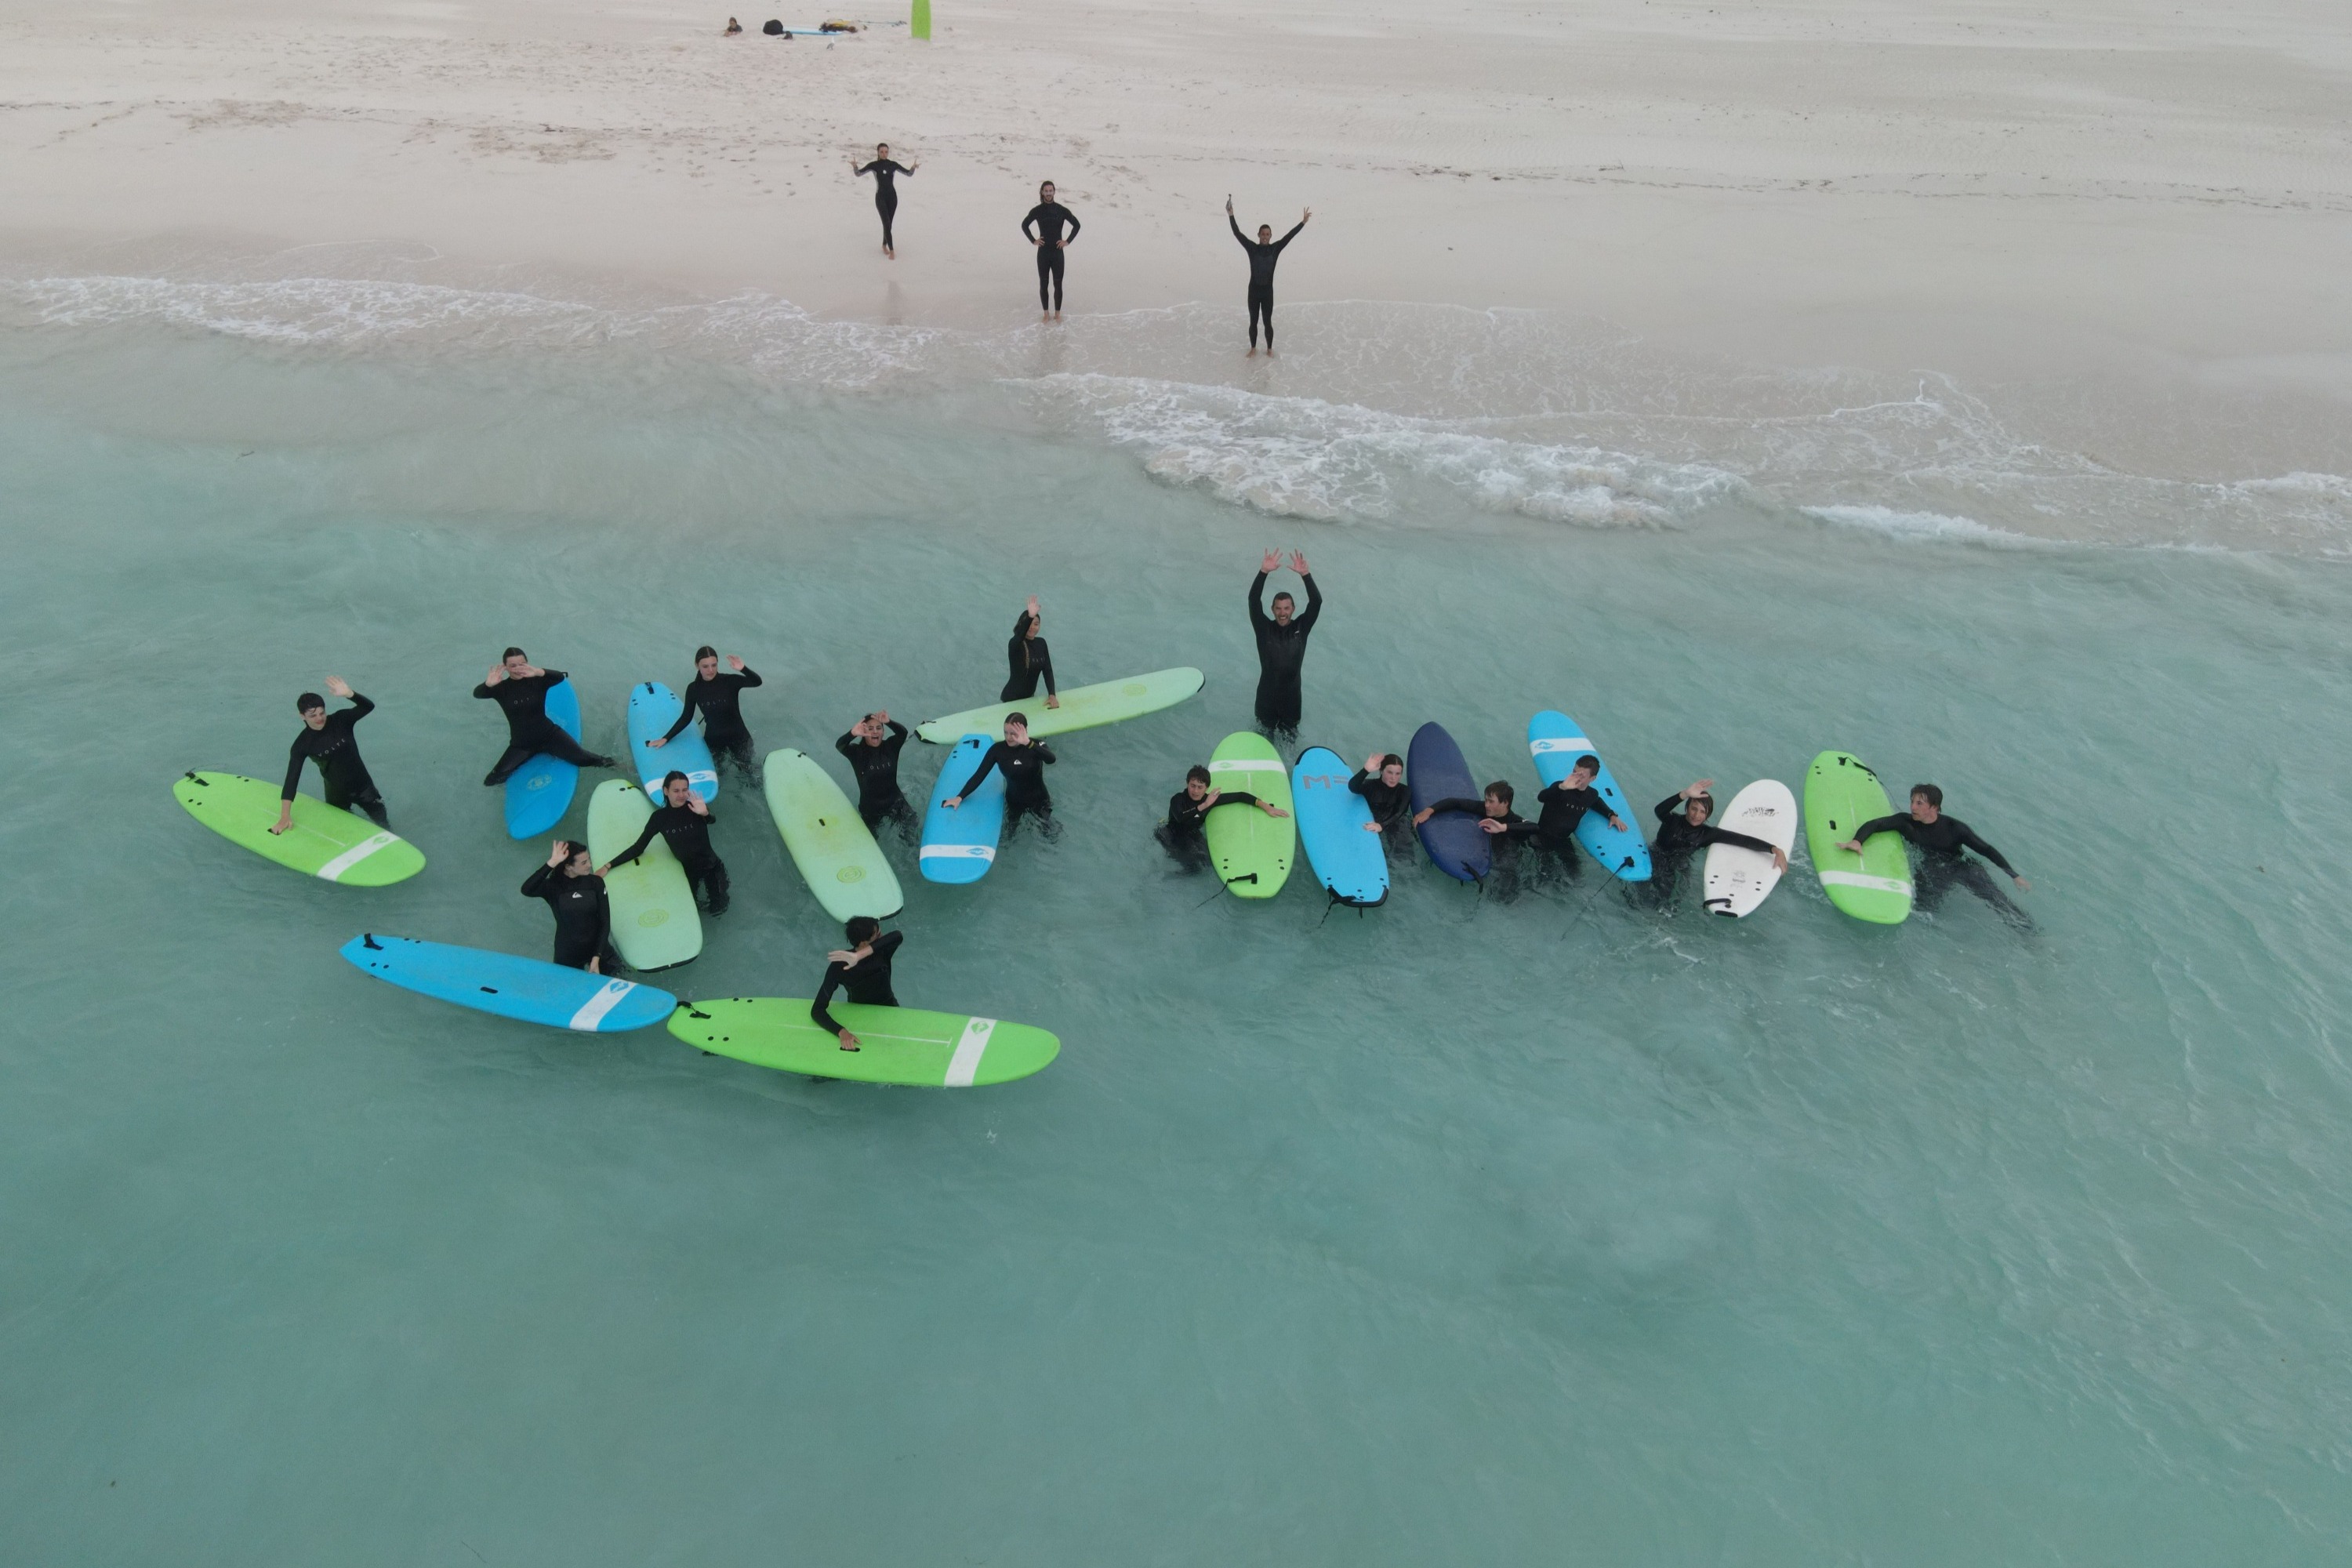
<point>1463,1230</point>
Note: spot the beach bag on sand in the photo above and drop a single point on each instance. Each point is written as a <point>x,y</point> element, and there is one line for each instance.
<point>773,28</point>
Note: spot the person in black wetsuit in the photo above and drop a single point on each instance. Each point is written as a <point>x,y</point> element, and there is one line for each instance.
<point>1683,832</point>
<point>1184,835</point>
<point>584,917</point>
<point>1022,762</point>
<point>1382,786</point>
<point>1264,252</point>
<point>872,746</point>
<point>719,698</point>
<point>520,689</point>
<point>863,972</point>
<point>1027,659</point>
<point>1281,644</point>
<point>1498,820</point>
<point>683,820</point>
<point>328,741</point>
<point>885,193</point>
<point>1942,867</point>
<point>1043,227</point>
<point>1563,807</point>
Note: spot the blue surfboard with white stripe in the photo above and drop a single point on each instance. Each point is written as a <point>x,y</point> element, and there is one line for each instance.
<point>539,792</point>
<point>524,989</point>
<point>653,709</point>
<point>1557,741</point>
<point>960,845</point>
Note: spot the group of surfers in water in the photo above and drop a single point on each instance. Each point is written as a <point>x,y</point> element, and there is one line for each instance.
<point>573,884</point>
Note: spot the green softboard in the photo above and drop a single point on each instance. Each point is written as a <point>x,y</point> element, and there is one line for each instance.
<point>1083,707</point>
<point>1252,850</point>
<point>828,840</point>
<point>326,841</point>
<point>1841,795</point>
<point>654,922</point>
<point>896,1045</point>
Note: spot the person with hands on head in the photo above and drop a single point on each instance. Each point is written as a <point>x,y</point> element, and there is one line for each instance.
<point>1282,644</point>
<point>862,971</point>
<point>1022,762</point>
<point>1264,252</point>
<point>1683,830</point>
<point>1184,835</point>
<point>583,917</point>
<point>1043,226</point>
<point>683,820</point>
<point>1940,840</point>
<point>519,688</point>
<point>720,699</point>
<point>885,193</point>
<point>1382,786</point>
<point>872,747</point>
<point>327,739</point>
<point>1027,659</point>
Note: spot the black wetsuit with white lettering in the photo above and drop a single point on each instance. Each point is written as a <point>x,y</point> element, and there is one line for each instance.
<point>1045,223</point>
<point>868,981</point>
<point>1263,255</point>
<point>529,731</point>
<point>342,775</point>
<point>876,767</point>
<point>885,193</point>
<point>720,700</point>
<point>1023,768</point>
<point>583,916</point>
<point>1281,649</point>
<point>1027,660</point>
<point>1942,866</point>
<point>1678,840</point>
<point>687,833</point>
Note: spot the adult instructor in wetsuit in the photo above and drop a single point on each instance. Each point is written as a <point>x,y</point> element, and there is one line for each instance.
<point>1941,864</point>
<point>327,739</point>
<point>885,193</point>
<point>1264,252</point>
<point>1043,226</point>
<point>1281,644</point>
<point>520,689</point>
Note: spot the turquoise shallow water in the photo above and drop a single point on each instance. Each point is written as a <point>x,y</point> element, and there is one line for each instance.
<point>1457,1232</point>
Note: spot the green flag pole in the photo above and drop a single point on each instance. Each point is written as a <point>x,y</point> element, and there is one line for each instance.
<point>922,23</point>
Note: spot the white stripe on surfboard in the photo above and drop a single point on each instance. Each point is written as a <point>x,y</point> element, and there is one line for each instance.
<point>1250,765</point>
<point>1862,880</point>
<point>957,852</point>
<point>968,1052</point>
<point>592,1012</point>
<point>1571,744</point>
<point>333,869</point>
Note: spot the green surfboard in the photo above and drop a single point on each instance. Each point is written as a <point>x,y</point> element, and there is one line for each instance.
<point>1082,707</point>
<point>654,922</point>
<point>895,1045</point>
<point>1252,850</point>
<point>1841,795</point>
<point>828,840</point>
<point>325,841</point>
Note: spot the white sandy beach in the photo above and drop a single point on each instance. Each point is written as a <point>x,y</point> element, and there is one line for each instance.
<point>2128,218</point>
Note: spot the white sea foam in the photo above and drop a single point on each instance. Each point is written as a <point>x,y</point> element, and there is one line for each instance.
<point>1916,524</point>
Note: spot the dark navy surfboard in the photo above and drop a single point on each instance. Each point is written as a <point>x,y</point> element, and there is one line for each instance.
<point>1436,770</point>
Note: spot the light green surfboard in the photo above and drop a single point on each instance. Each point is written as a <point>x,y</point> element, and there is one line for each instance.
<point>1841,795</point>
<point>1082,707</point>
<point>828,840</point>
<point>895,1045</point>
<point>325,841</point>
<point>1252,850</point>
<point>654,922</point>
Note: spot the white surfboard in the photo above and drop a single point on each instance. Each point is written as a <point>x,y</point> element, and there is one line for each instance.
<point>1737,879</point>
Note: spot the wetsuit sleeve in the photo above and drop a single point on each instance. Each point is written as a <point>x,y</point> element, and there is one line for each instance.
<point>1664,810</point>
<point>360,708</point>
<point>486,690</point>
<point>1969,839</point>
<point>888,943</point>
<point>1286,238</point>
<point>747,678</point>
<point>1073,224</point>
<point>898,730</point>
<point>603,920</point>
<point>871,167</point>
<point>1880,824</point>
<point>1314,602</point>
<point>1235,223</point>
<point>293,767</point>
<point>1710,834</point>
<point>817,1013</point>
<point>1048,671</point>
<point>1029,224</point>
<point>1474,807</point>
<point>987,762</point>
<point>1237,797</point>
<point>847,744</point>
<point>535,885</point>
<point>634,851</point>
<point>685,716</point>
<point>1257,602</point>
<point>1044,752</point>
<point>1356,785</point>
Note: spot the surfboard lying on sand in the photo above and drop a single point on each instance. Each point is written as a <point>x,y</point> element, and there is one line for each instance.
<point>539,792</point>
<point>654,922</point>
<point>653,709</point>
<point>960,845</point>
<point>828,841</point>
<point>1557,741</point>
<point>1841,795</point>
<point>896,1045</point>
<point>325,841</point>
<point>1083,708</point>
<point>1335,826</point>
<point>1252,850</point>
<point>523,988</point>
<point>1739,878</point>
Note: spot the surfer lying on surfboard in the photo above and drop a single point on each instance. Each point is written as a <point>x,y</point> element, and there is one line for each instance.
<point>520,689</point>
<point>1183,836</point>
<point>1941,839</point>
<point>1683,832</point>
<point>863,972</point>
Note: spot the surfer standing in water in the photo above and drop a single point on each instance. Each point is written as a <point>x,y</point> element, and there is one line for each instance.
<point>520,689</point>
<point>1683,831</point>
<point>583,916</point>
<point>720,697</point>
<point>328,742</point>
<point>1942,867</point>
<point>684,823</point>
<point>1264,252</point>
<point>1043,227</point>
<point>885,193</point>
<point>1281,644</point>
<point>872,747</point>
<point>863,971</point>
<point>1027,659</point>
<point>1382,786</point>
<point>1022,762</point>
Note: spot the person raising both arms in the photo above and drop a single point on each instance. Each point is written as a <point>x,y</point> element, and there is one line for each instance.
<point>683,819</point>
<point>862,972</point>
<point>583,917</point>
<point>872,747</point>
<point>1381,783</point>
<point>1683,831</point>
<point>520,689</point>
<point>719,698</point>
<point>1183,835</point>
<point>1022,762</point>
<point>1264,252</point>
<point>1942,867</point>
<point>1281,644</point>
<point>1028,659</point>
<point>327,739</point>
<point>1043,226</point>
<point>885,193</point>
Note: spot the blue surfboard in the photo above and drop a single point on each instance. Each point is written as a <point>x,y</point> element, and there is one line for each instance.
<point>1335,824</point>
<point>653,709</point>
<point>1556,742</point>
<point>1436,770</point>
<point>512,987</point>
<point>539,792</point>
<point>960,845</point>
